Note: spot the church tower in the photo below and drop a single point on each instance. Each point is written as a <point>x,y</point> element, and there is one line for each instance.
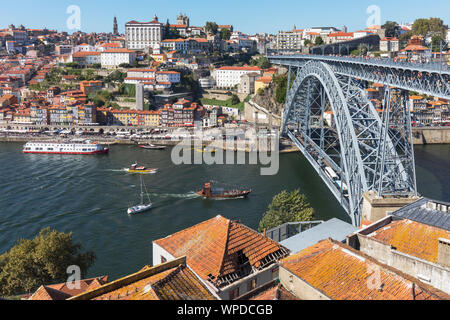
<point>115,27</point>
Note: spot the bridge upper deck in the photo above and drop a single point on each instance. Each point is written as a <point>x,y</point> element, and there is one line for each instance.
<point>430,67</point>
<point>425,78</point>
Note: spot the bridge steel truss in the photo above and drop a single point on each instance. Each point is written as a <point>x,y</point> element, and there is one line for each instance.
<point>428,78</point>
<point>366,151</point>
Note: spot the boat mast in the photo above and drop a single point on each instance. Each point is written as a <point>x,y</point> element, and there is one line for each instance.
<point>142,192</point>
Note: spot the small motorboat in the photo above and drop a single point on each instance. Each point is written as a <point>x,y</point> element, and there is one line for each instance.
<point>135,168</point>
<point>205,150</point>
<point>141,207</point>
<point>152,147</point>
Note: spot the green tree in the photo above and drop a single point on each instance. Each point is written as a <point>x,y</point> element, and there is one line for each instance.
<point>280,83</point>
<point>286,207</point>
<point>211,27</point>
<point>74,65</point>
<point>429,27</point>
<point>318,41</point>
<point>436,42</point>
<point>235,99</point>
<point>43,260</point>
<point>391,28</point>
<point>263,62</point>
<point>225,34</point>
<point>404,38</point>
<point>128,90</point>
<point>307,42</point>
<point>116,76</point>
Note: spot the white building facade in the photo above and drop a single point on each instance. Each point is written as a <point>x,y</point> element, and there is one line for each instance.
<point>290,40</point>
<point>168,76</point>
<point>143,35</point>
<point>229,77</point>
<point>115,57</point>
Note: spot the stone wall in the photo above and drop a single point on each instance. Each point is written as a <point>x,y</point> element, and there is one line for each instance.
<point>431,135</point>
<point>298,287</point>
<point>255,113</point>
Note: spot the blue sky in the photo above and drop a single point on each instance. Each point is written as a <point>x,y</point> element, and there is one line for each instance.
<point>248,16</point>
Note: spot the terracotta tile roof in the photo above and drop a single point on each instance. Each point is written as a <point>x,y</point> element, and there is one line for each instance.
<point>141,70</point>
<point>118,50</point>
<point>340,34</point>
<point>81,54</point>
<point>170,281</point>
<point>276,292</point>
<point>264,79</point>
<point>62,292</point>
<point>415,47</point>
<point>139,290</point>
<point>174,40</point>
<point>413,238</point>
<point>342,273</point>
<point>240,68</point>
<point>47,293</point>
<point>110,45</point>
<point>178,26</point>
<point>181,284</point>
<point>214,248</point>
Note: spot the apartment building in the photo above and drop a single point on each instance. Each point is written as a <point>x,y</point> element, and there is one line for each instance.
<point>87,58</point>
<point>290,40</point>
<point>114,57</point>
<point>229,77</point>
<point>180,45</point>
<point>390,44</point>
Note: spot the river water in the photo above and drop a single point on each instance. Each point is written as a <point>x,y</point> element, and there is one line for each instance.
<point>89,196</point>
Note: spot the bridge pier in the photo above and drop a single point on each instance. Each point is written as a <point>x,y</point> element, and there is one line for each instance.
<point>376,207</point>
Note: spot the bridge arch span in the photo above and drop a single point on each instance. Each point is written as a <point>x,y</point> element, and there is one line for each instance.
<point>344,149</point>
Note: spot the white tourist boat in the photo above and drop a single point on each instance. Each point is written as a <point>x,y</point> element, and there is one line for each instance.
<point>143,206</point>
<point>84,147</point>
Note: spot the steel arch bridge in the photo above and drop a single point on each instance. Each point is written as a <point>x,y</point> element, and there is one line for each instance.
<point>351,145</point>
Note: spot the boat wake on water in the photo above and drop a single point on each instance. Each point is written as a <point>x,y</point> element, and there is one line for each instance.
<point>190,195</point>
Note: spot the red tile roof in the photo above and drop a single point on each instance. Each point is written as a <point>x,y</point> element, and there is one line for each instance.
<point>276,292</point>
<point>62,292</point>
<point>170,281</point>
<point>214,247</point>
<point>340,34</point>
<point>81,54</point>
<point>413,238</point>
<point>240,68</point>
<point>118,50</point>
<point>110,45</point>
<point>342,273</point>
<point>415,47</point>
<point>141,70</point>
<point>181,26</point>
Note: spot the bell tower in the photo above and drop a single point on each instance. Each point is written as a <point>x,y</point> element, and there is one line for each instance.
<point>115,27</point>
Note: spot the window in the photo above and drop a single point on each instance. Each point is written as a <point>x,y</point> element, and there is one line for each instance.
<point>163,260</point>
<point>251,285</point>
<point>234,294</point>
<point>275,272</point>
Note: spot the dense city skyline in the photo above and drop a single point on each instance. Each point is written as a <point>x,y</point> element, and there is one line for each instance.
<point>248,18</point>
<point>239,151</point>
